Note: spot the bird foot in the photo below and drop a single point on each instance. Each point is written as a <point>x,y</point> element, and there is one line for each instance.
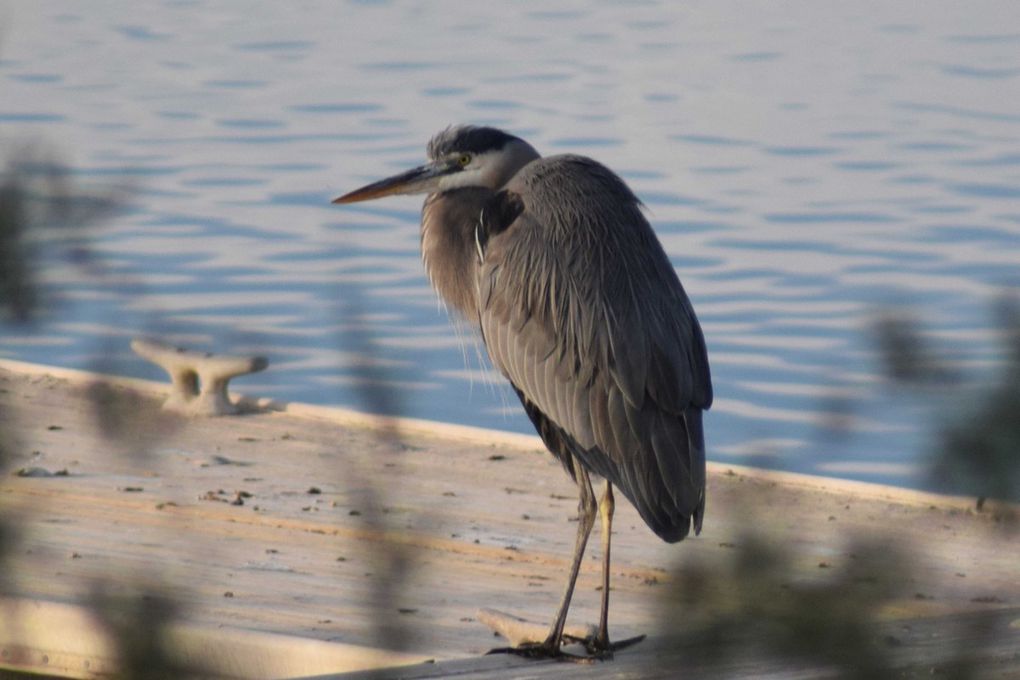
<point>597,650</point>
<point>601,649</point>
<point>541,650</point>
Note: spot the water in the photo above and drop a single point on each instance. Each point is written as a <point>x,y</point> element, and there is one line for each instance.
<point>805,165</point>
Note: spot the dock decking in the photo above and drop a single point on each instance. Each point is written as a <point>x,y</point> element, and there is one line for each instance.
<point>338,536</point>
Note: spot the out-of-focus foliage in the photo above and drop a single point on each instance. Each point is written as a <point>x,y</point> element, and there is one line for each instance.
<point>752,608</point>
<point>17,292</point>
<point>760,608</point>
<point>906,355</point>
<point>980,448</point>
<point>391,561</point>
<point>978,430</point>
<point>137,624</point>
<point>760,613</point>
<point>37,202</point>
<point>40,210</point>
<point>7,539</point>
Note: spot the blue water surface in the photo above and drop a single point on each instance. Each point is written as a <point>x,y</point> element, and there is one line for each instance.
<point>807,168</point>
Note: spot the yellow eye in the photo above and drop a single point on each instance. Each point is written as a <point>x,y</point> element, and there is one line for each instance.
<point>464,159</point>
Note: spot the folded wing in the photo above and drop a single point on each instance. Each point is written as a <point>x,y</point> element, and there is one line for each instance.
<point>582,311</point>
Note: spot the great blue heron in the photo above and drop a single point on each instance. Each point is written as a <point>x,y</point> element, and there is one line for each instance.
<point>581,310</point>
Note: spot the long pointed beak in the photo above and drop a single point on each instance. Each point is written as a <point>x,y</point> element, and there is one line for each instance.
<point>420,180</point>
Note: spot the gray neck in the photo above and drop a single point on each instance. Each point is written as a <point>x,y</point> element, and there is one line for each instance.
<point>516,154</point>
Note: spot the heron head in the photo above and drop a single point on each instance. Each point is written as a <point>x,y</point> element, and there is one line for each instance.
<point>459,156</point>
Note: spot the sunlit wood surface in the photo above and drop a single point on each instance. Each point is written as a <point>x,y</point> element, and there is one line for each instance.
<point>324,525</point>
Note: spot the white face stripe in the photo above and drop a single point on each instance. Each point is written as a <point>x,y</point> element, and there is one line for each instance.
<point>478,173</point>
<point>467,177</point>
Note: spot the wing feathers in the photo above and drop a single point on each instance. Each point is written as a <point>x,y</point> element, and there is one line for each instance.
<point>583,313</point>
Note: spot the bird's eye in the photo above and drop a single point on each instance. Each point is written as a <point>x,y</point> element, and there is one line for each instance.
<point>464,159</point>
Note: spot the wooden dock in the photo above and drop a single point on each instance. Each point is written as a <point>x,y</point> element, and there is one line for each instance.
<point>298,541</point>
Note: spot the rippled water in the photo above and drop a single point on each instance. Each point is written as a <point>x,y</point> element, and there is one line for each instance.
<point>805,164</point>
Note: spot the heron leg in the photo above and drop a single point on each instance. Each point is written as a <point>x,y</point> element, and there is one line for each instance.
<point>586,509</point>
<point>599,646</point>
<point>606,508</point>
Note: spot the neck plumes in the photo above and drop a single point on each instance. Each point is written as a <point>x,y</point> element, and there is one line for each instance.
<point>448,246</point>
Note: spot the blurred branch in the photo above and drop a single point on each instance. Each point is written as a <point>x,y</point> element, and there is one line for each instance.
<point>749,608</point>
<point>907,357</point>
<point>980,448</point>
<point>37,200</point>
<point>17,289</point>
<point>40,207</point>
<point>138,623</point>
<point>979,444</point>
<point>392,562</point>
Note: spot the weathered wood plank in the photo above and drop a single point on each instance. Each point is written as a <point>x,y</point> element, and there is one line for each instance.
<point>71,641</point>
<point>370,536</point>
<point>923,648</point>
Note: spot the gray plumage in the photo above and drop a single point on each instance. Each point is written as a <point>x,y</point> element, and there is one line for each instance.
<point>581,310</point>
